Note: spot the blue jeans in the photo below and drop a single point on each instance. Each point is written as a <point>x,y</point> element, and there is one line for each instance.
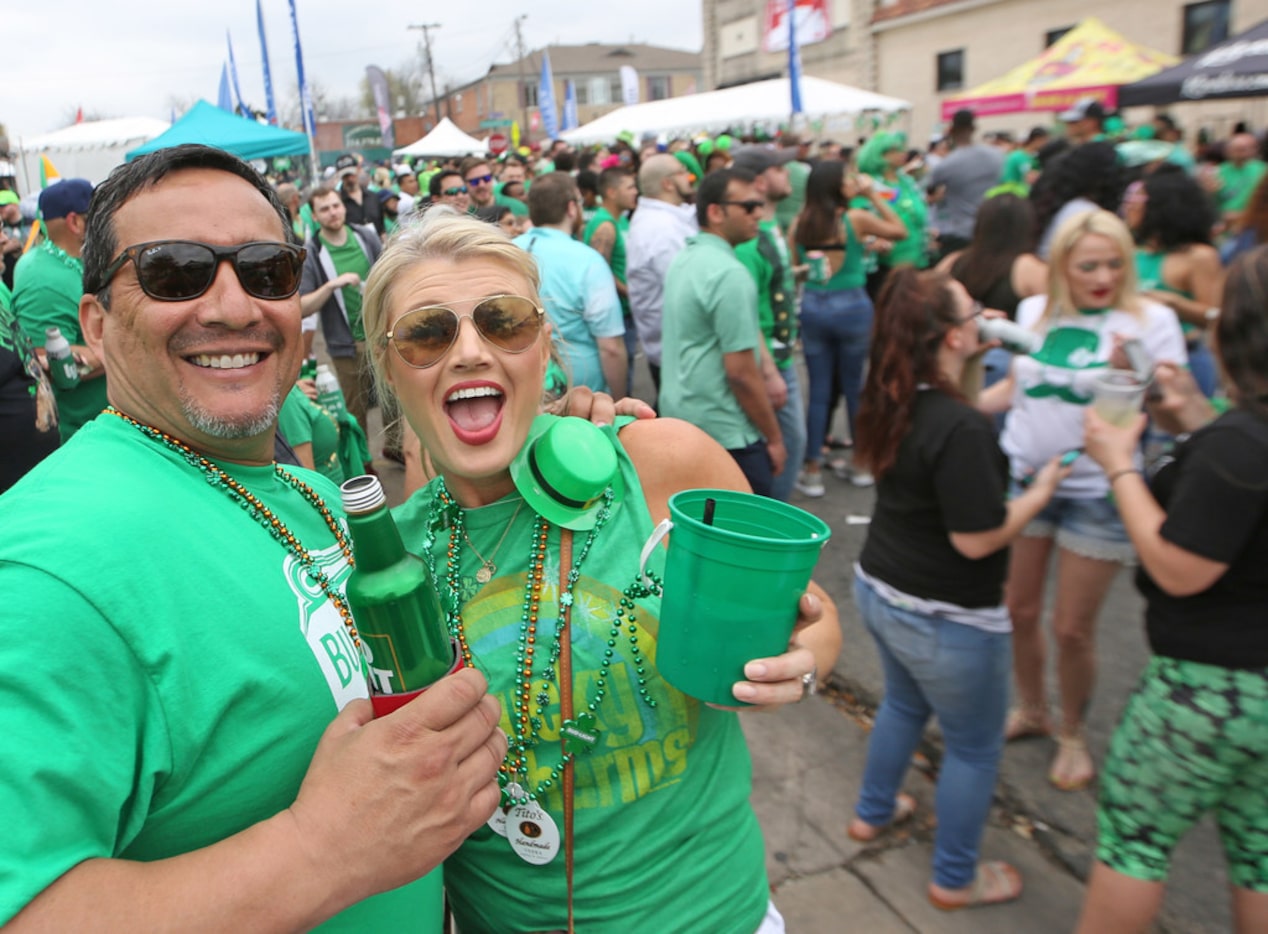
<point>959,674</point>
<point>836,331</point>
<point>792,424</point>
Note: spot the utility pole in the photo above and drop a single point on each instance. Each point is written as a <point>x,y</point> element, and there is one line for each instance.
<point>519,48</point>
<point>431,69</point>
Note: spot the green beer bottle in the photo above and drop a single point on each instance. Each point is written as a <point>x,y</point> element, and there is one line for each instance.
<point>403,631</point>
<point>308,369</point>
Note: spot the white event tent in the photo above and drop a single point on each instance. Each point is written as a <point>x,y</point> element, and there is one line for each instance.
<point>85,150</point>
<point>445,140</point>
<point>762,103</point>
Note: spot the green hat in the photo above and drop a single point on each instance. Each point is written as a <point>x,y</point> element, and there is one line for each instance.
<point>8,197</point>
<point>690,162</point>
<point>724,141</point>
<point>564,469</point>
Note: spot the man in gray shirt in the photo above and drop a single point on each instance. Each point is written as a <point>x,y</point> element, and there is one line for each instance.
<point>960,181</point>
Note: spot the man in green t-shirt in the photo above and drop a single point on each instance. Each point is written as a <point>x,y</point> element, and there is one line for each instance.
<point>711,374</point>
<point>1021,166</point>
<point>339,259</point>
<point>1235,179</point>
<point>47,284</point>
<point>605,232</point>
<point>184,683</point>
<point>768,261</point>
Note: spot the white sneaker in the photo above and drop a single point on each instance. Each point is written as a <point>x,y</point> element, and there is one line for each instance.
<point>862,478</point>
<point>810,484</point>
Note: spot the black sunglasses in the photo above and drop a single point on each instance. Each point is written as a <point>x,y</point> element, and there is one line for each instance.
<point>178,270</point>
<point>423,336</point>
<point>749,206</point>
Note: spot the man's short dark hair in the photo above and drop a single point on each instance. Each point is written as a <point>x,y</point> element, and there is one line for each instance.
<point>565,160</point>
<point>128,180</point>
<point>470,163</point>
<point>549,198</point>
<point>437,183</point>
<point>713,189</point>
<point>610,178</point>
<point>588,181</point>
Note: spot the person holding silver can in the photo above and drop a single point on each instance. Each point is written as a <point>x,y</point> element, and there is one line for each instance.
<point>1090,307</point>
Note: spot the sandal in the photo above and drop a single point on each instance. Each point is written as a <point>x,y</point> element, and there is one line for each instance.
<point>996,882</point>
<point>861,831</point>
<point>1072,769</point>
<point>1025,721</point>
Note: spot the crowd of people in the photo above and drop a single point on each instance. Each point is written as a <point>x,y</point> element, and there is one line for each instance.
<point>719,265</point>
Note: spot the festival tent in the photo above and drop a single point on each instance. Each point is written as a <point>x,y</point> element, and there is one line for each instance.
<point>86,150</point>
<point>762,103</point>
<point>1236,67</point>
<point>1091,60</point>
<point>211,126</point>
<point>443,141</point>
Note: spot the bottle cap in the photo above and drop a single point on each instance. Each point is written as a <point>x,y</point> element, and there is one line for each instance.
<point>362,494</point>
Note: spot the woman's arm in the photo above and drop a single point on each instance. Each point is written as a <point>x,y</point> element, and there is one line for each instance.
<point>888,225</point>
<point>1177,571</point>
<point>1020,510</point>
<point>672,455</point>
<point>1202,276</point>
<point>997,398</point>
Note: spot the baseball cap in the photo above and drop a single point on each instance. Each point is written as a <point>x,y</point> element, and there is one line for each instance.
<point>69,196</point>
<point>346,165</point>
<point>757,159</point>
<point>386,195</point>
<point>1084,108</point>
<point>402,170</point>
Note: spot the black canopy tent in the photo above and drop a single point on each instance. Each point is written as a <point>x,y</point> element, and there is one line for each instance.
<point>1237,67</point>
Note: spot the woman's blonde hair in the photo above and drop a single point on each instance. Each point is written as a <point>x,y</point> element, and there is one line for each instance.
<point>1064,241</point>
<point>441,234</point>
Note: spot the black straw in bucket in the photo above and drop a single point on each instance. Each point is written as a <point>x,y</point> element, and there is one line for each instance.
<point>710,504</point>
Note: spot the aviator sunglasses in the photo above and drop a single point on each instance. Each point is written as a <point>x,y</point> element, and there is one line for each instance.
<point>178,270</point>
<point>423,336</point>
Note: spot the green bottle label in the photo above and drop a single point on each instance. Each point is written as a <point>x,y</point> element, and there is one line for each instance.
<point>64,372</point>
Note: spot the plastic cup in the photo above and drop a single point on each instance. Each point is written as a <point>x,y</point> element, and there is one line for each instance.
<point>1117,396</point>
<point>731,588</point>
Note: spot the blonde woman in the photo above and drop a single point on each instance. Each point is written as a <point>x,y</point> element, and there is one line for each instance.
<point>655,785</point>
<point>1091,305</point>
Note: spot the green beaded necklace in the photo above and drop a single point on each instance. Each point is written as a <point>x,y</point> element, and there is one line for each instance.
<point>580,733</point>
<point>218,478</point>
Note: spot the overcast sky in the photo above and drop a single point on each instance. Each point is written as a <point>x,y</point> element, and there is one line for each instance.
<point>131,58</point>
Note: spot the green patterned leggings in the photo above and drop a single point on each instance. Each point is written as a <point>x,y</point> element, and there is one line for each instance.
<point>1194,738</point>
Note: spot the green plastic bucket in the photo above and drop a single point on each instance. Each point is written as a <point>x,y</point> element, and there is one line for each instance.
<point>731,588</point>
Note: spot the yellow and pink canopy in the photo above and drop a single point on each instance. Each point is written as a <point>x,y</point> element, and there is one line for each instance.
<point>1090,60</point>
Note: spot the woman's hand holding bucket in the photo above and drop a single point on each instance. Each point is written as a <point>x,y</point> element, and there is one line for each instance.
<point>773,682</point>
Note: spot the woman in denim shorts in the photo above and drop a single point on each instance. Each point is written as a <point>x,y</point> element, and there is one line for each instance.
<point>929,582</point>
<point>1194,736</point>
<point>1091,305</point>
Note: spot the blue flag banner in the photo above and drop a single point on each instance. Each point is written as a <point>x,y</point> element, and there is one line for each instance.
<point>546,99</point>
<point>224,99</point>
<point>270,106</point>
<point>305,99</point>
<point>794,59</point>
<point>233,74</point>
<point>570,106</point>
<point>382,103</point>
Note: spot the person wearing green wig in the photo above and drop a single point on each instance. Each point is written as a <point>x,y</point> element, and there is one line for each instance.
<point>882,158</point>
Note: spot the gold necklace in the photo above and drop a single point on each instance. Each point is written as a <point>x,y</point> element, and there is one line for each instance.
<point>487,567</point>
<point>218,478</point>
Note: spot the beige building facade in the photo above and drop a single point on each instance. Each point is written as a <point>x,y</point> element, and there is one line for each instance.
<point>508,92</point>
<point>914,37</point>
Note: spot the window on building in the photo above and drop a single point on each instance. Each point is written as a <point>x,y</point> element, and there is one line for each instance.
<point>583,93</point>
<point>1053,36</point>
<point>600,91</point>
<point>1205,25</point>
<point>616,94</point>
<point>529,94</point>
<point>457,103</point>
<point>951,70</point>
<point>657,89</point>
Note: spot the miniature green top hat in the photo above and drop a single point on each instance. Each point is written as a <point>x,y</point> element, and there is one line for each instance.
<point>564,468</point>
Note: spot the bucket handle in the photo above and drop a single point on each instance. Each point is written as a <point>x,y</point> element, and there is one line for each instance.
<point>658,534</point>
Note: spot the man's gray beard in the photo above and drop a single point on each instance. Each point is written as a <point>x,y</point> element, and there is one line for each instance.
<point>248,426</point>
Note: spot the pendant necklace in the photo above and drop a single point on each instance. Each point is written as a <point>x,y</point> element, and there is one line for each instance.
<point>487,568</point>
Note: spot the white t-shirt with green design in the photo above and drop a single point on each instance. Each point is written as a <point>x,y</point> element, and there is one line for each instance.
<point>1054,385</point>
